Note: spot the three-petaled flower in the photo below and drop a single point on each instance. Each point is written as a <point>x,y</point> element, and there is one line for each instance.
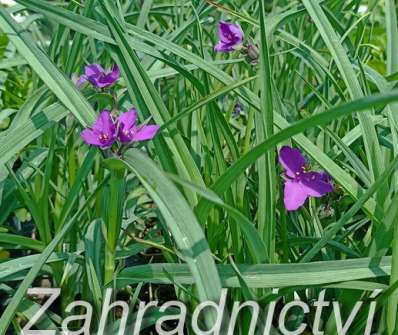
<point>128,131</point>
<point>231,37</point>
<point>98,77</point>
<point>300,182</point>
<point>105,130</point>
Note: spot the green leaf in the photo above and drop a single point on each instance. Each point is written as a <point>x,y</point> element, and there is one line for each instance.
<point>14,266</point>
<point>23,134</point>
<point>267,188</point>
<point>21,241</point>
<point>264,275</point>
<point>181,222</point>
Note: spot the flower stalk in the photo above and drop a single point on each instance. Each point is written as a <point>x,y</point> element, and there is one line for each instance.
<point>113,219</point>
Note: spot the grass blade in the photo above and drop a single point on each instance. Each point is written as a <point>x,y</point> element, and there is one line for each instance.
<point>266,275</point>
<point>266,165</point>
<point>181,222</point>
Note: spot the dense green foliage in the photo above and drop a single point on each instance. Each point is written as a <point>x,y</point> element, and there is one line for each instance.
<point>201,206</point>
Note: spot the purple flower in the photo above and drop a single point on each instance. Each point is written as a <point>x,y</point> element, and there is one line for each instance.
<point>98,77</point>
<point>300,183</point>
<point>238,109</point>
<point>128,131</point>
<point>102,133</point>
<point>231,35</point>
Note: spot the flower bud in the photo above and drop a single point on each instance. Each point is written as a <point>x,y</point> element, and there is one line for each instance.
<point>252,53</point>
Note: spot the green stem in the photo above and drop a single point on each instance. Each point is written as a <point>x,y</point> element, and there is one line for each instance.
<point>99,177</point>
<point>114,209</point>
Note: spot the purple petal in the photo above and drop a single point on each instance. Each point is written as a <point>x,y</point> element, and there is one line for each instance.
<point>108,123</point>
<point>126,125</point>
<point>102,82</point>
<point>230,33</point>
<point>223,47</point>
<point>105,125</point>
<point>292,161</point>
<point>294,195</point>
<point>315,184</point>
<point>224,31</point>
<point>125,136</point>
<point>90,137</point>
<point>94,81</point>
<point>99,123</point>
<point>230,36</point>
<point>237,32</point>
<point>108,78</point>
<point>145,133</point>
<point>82,79</point>
<point>128,119</point>
<point>325,177</point>
<point>94,70</point>
<point>115,72</point>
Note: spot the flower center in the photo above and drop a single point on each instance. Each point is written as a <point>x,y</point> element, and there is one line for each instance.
<point>129,132</point>
<point>103,138</point>
<point>304,169</point>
